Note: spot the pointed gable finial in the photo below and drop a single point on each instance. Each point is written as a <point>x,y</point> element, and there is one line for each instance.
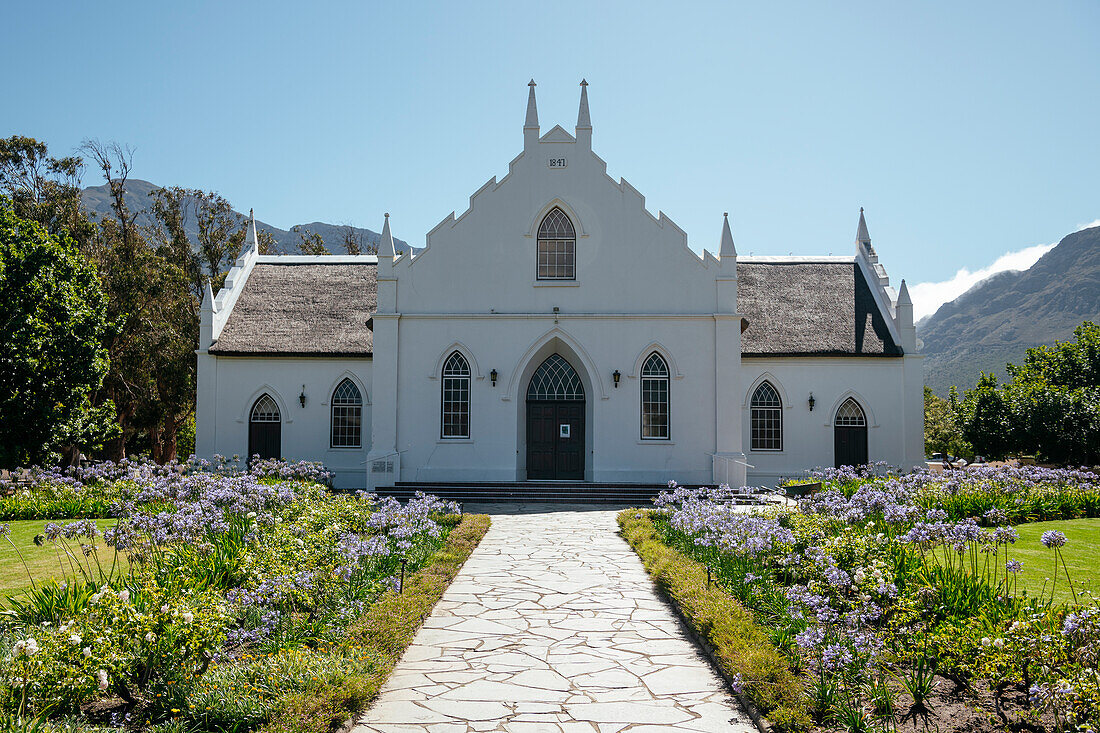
<point>251,240</point>
<point>532,109</point>
<point>385,243</point>
<point>903,295</point>
<point>862,237</point>
<point>726,249</point>
<point>584,119</point>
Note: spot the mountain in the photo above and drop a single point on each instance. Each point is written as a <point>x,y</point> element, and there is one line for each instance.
<point>139,197</point>
<point>997,320</point>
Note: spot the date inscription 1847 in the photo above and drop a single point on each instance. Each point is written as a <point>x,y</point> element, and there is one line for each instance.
<point>556,162</point>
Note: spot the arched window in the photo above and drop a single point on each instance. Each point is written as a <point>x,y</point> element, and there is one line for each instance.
<point>555,380</point>
<point>347,416</point>
<point>456,397</point>
<point>655,398</point>
<point>265,409</point>
<point>767,418</point>
<point>850,415</point>
<point>557,253</point>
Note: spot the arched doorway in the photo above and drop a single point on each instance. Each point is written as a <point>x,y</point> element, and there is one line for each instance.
<point>265,428</point>
<point>555,422</point>
<point>850,435</point>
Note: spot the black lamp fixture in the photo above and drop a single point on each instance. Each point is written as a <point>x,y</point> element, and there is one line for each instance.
<point>811,401</point>
<point>493,377</point>
<point>615,378</point>
<point>302,396</point>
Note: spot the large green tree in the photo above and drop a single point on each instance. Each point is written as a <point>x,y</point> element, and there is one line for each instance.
<point>52,333</point>
<point>1050,407</point>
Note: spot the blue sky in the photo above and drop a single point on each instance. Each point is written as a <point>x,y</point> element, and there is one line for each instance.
<point>967,130</point>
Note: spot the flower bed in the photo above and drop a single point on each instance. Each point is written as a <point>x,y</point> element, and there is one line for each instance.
<point>248,596</point>
<point>878,590</point>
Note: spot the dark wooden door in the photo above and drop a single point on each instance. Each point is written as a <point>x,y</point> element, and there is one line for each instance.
<point>265,439</point>
<point>555,440</point>
<point>850,445</point>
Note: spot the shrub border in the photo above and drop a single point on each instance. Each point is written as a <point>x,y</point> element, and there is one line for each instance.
<point>384,632</point>
<point>722,627</point>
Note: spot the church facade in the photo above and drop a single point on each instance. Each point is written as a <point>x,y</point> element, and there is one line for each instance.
<point>557,330</point>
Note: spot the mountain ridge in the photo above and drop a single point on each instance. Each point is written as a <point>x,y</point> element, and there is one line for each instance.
<point>139,197</point>
<point>999,318</point>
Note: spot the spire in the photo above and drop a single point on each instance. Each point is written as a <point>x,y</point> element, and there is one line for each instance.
<point>532,110</point>
<point>862,237</point>
<point>385,244</point>
<point>584,119</point>
<point>208,299</point>
<point>251,242</point>
<point>727,249</point>
<point>903,295</point>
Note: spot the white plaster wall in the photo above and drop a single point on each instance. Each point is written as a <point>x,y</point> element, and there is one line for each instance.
<point>233,385</point>
<point>884,388</point>
<point>615,451</point>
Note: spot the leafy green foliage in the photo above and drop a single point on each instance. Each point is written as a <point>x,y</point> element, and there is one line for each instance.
<point>1051,406</point>
<point>941,431</point>
<point>51,343</point>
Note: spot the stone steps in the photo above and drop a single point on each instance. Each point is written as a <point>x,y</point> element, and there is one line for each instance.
<point>574,492</point>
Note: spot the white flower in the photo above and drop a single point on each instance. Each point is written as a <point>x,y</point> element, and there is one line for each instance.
<point>124,595</point>
<point>251,515</point>
<point>87,652</point>
<point>187,617</point>
<point>299,542</point>
<point>46,624</point>
<point>986,641</point>
<point>28,647</point>
<point>101,677</point>
<point>64,627</point>
<point>95,597</point>
<point>999,643</point>
<point>164,608</point>
<point>150,637</point>
<point>75,639</point>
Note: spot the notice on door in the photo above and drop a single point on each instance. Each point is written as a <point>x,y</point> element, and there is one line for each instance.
<point>563,431</point>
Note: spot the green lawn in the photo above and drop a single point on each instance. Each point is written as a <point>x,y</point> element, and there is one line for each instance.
<point>45,561</point>
<point>1082,555</point>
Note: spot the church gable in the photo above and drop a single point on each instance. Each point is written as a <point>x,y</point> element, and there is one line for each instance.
<point>492,256</point>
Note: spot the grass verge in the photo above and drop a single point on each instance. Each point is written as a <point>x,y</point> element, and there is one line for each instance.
<point>374,644</point>
<point>43,562</point>
<point>738,645</point>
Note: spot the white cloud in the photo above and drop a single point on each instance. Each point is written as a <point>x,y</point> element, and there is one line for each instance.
<point>928,297</point>
<point>1090,225</point>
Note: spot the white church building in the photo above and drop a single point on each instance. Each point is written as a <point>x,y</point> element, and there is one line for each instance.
<point>558,331</point>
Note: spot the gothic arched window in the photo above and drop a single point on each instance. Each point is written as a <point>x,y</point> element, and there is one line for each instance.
<point>456,397</point>
<point>655,398</point>
<point>347,416</point>
<point>766,418</point>
<point>557,247</point>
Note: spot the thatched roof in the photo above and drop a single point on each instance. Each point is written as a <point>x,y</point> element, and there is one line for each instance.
<point>793,309</point>
<point>302,310</point>
<point>810,308</point>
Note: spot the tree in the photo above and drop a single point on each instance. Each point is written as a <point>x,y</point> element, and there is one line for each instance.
<point>51,343</point>
<point>42,188</point>
<point>354,242</point>
<point>152,376</point>
<point>310,243</point>
<point>941,432</point>
<point>1051,406</point>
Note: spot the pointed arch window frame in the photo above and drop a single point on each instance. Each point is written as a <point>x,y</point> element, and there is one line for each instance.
<point>346,415</point>
<point>556,373</point>
<point>556,250</point>
<point>766,419</point>
<point>454,398</point>
<point>655,416</point>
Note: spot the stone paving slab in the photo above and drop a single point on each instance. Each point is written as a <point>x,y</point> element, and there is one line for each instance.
<point>552,626</point>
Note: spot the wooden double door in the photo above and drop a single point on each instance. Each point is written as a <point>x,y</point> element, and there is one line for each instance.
<point>555,439</point>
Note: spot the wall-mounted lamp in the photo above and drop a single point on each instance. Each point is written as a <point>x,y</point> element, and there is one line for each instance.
<point>811,401</point>
<point>302,396</point>
<point>493,377</point>
<point>615,378</point>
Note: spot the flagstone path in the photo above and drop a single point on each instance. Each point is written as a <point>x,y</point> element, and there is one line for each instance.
<point>552,625</point>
